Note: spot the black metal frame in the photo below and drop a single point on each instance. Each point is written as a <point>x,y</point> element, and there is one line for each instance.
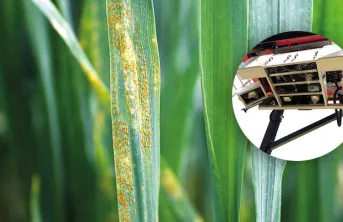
<point>269,143</point>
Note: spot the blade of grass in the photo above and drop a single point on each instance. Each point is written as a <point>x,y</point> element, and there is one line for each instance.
<point>177,195</point>
<point>281,16</point>
<point>306,207</point>
<point>267,179</point>
<point>166,212</point>
<point>124,201</point>
<point>94,41</point>
<point>267,171</point>
<point>310,189</point>
<point>328,180</point>
<point>223,42</point>
<point>316,183</point>
<point>35,203</point>
<point>64,6</point>
<point>66,32</point>
<point>326,19</point>
<point>177,34</point>
<point>195,172</point>
<point>41,47</point>
<point>316,187</point>
<point>18,112</point>
<point>135,100</point>
<point>74,103</point>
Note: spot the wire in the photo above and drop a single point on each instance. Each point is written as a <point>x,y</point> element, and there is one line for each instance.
<point>337,112</point>
<point>307,65</point>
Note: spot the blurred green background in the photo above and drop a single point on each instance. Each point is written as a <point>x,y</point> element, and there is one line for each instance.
<point>56,158</point>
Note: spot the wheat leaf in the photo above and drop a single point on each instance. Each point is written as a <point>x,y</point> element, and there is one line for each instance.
<point>267,179</point>
<point>35,212</point>
<point>135,101</point>
<point>177,195</point>
<point>223,43</point>
<point>281,16</point>
<point>67,34</point>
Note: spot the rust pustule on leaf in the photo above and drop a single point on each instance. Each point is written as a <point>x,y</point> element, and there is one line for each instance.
<point>134,85</point>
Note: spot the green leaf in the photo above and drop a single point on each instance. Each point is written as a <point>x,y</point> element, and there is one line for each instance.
<point>94,41</point>
<point>281,16</point>
<point>316,187</point>
<point>135,100</point>
<point>177,195</point>
<point>313,195</point>
<point>66,32</point>
<point>267,179</point>
<point>64,6</point>
<point>326,20</point>
<point>223,43</point>
<point>19,141</point>
<point>38,33</point>
<point>178,38</point>
<point>36,215</point>
<point>269,17</point>
<point>81,180</point>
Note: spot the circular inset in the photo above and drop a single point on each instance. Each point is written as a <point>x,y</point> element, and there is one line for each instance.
<point>287,96</point>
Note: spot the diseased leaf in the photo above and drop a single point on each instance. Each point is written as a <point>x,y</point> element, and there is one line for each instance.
<point>135,101</point>
<point>281,16</point>
<point>223,43</point>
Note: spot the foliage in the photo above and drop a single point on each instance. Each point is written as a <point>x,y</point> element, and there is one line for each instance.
<point>56,143</point>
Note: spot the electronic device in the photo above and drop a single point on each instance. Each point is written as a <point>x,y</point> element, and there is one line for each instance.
<point>303,76</point>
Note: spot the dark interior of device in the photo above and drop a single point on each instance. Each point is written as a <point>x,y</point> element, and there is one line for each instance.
<point>271,101</point>
<point>292,68</point>
<point>302,100</point>
<point>333,76</point>
<point>299,88</point>
<point>250,99</point>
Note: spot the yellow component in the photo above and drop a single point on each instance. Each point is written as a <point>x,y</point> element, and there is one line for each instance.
<point>309,77</point>
<point>315,99</point>
<point>287,99</point>
<point>252,94</point>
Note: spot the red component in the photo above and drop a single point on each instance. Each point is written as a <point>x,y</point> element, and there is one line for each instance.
<point>255,79</point>
<point>265,85</point>
<point>246,58</point>
<point>299,40</point>
<point>269,51</point>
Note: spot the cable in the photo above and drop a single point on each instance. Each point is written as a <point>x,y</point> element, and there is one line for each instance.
<point>338,112</point>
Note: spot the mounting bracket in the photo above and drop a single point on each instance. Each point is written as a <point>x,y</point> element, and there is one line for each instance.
<point>269,144</point>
